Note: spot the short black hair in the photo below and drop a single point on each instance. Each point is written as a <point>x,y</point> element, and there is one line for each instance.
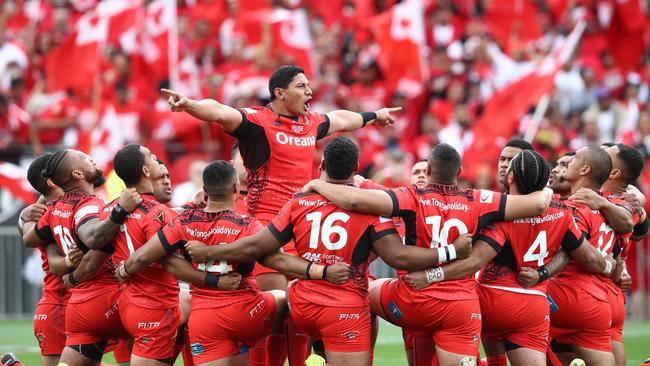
<point>34,176</point>
<point>159,161</point>
<point>128,163</point>
<point>445,161</point>
<point>58,168</point>
<point>218,178</point>
<point>341,157</point>
<point>632,160</point>
<point>282,77</point>
<point>531,171</point>
<point>608,144</point>
<point>570,153</point>
<point>520,143</point>
<point>600,163</point>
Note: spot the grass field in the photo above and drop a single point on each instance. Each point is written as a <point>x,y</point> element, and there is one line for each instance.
<point>17,337</point>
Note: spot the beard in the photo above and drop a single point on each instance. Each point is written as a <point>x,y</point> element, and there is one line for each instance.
<point>98,179</point>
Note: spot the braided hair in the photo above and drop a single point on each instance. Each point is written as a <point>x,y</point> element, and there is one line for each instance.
<point>52,168</point>
<point>531,171</point>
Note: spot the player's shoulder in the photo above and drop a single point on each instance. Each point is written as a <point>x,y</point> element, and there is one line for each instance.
<point>75,199</point>
<point>315,116</point>
<point>257,112</point>
<point>557,204</point>
<point>236,218</point>
<point>448,192</point>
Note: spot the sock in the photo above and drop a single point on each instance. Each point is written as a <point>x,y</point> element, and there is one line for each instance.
<point>424,352</point>
<point>276,349</point>
<point>178,345</point>
<point>257,354</point>
<point>186,351</point>
<point>297,343</point>
<point>497,360</point>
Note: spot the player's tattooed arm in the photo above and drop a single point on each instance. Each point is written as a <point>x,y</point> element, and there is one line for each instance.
<point>88,268</point>
<point>96,233</point>
<point>206,109</point>
<point>529,277</point>
<point>532,204</point>
<point>185,271</point>
<point>482,253</point>
<point>152,251</point>
<point>61,264</point>
<point>412,258</point>
<point>592,259</point>
<point>618,217</point>
<point>354,199</point>
<point>241,250</point>
<point>337,273</point>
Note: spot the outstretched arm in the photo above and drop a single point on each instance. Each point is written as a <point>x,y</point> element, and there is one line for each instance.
<point>354,199</point>
<point>206,109</point>
<point>241,250</point>
<point>532,204</point>
<point>343,120</point>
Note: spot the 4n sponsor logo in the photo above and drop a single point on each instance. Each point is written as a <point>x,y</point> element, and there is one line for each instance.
<point>312,257</point>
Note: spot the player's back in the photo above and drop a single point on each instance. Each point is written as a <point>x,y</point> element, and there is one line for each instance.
<point>326,234</point>
<point>528,242</point>
<point>62,219</point>
<point>213,228</point>
<point>153,287</point>
<point>437,215</point>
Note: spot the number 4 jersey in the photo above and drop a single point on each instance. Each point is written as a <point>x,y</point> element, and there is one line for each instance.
<point>326,234</point>
<point>60,223</point>
<point>152,287</point>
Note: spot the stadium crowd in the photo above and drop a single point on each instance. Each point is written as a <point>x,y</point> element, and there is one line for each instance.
<point>125,119</point>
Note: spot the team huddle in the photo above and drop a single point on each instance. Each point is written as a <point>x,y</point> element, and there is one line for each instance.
<point>278,264</point>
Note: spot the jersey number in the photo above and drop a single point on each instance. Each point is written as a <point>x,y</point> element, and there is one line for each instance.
<point>605,230</point>
<point>65,238</point>
<point>440,237</point>
<point>539,243</point>
<point>129,242</point>
<point>327,230</point>
<point>222,268</point>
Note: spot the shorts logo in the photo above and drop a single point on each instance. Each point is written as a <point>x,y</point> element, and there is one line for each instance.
<point>148,325</point>
<point>475,316</point>
<point>256,308</point>
<point>475,338</point>
<point>145,340</point>
<point>197,349</point>
<point>40,316</point>
<point>349,316</point>
<point>353,334</point>
<point>40,337</point>
<point>395,311</point>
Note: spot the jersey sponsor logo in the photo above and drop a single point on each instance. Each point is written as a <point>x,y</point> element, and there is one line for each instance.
<point>219,230</point>
<point>310,203</point>
<point>540,220</point>
<point>160,218</point>
<point>148,325</point>
<point>136,216</point>
<point>197,348</point>
<point>312,257</point>
<point>486,196</point>
<point>456,206</point>
<point>383,220</point>
<point>284,139</point>
<point>61,214</point>
<point>249,110</point>
<point>297,127</point>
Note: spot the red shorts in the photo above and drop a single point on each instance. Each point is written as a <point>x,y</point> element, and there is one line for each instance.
<point>454,325</point>
<point>289,248</point>
<point>49,328</point>
<point>216,333</point>
<point>522,319</point>
<point>408,340</point>
<point>616,301</point>
<point>94,320</point>
<point>581,320</point>
<point>342,329</point>
<point>153,330</point>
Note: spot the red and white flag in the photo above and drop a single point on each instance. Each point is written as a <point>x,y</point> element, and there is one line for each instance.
<point>14,179</point>
<point>159,41</point>
<point>400,34</point>
<point>625,35</point>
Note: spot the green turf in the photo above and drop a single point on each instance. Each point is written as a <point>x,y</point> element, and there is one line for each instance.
<point>17,337</point>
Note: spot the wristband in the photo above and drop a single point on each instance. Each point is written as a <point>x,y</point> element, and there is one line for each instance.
<point>452,252</point>
<point>68,262</point>
<point>21,223</point>
<point>118,215</point>
<point>435,274</point>
<point>608,268</point>
<point>308,274</point>
<point>367,117</point>
<point>324,273</point>
<point>443,254</point>
<point>72,280</point>
<point>543,274</point>
<point>211,280</point>
<point>125,271</point>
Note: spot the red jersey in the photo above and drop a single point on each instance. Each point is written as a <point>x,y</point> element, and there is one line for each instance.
<point>624,239</point>
<point>326,234</point>
<point>212,228</point>
<point>528,242</point>
<point>241,206</point>
<point>435,216</point>
<point>278,154</point>
<point>60,223</point>
<point>599,234</point>
<point>153,287</point>
<point>54,291</point>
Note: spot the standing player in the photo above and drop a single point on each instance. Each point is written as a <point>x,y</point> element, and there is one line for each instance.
<point>327,234</point>
<point>518,316</point>
<point>556,181</point>
<point>72,220</point>
<point>587,328</point>
<point>512,148</point>
<point>447,312</point>
<point>277,143</point>
<point>244,314</point>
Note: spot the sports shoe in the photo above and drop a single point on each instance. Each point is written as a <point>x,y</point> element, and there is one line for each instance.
<point>315,360</point>
<point>9,359</point>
